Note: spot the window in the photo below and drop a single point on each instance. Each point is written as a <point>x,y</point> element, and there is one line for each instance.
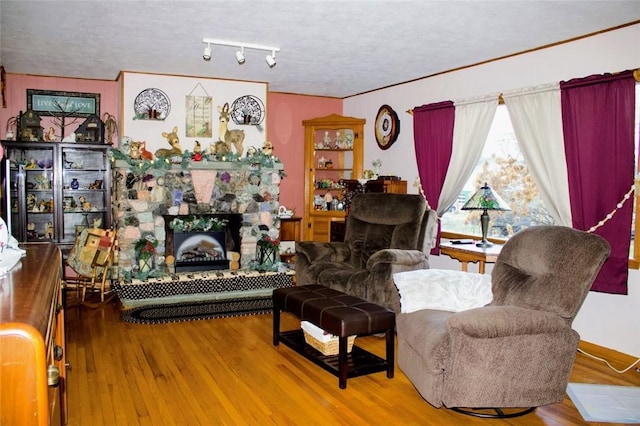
<point>502,166</point>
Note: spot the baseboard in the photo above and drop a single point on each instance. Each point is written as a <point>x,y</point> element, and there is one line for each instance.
<point>618,359</point>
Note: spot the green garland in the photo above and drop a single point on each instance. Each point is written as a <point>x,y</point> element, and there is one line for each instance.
<point>198,223</point>
<point>159,166</point>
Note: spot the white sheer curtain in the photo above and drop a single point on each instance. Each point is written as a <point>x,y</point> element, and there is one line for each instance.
<point>473,118</point>
<point>536,117</point>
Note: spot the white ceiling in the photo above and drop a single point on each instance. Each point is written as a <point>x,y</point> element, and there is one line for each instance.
<point>328,48</point>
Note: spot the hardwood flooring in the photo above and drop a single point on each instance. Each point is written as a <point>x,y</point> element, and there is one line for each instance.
<point>227,372</point>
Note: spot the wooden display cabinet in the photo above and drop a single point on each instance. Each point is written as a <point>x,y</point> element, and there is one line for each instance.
<point>333,151</point>
<point>54,189</point>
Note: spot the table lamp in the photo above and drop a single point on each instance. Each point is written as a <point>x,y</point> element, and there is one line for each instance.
<point>485,199</point>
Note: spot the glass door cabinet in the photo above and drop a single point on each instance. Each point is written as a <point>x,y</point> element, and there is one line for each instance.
<point>51,191</point>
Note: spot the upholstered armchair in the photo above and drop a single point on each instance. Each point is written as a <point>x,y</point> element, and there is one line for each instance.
<point>385,234</point>
<point>518,350</point>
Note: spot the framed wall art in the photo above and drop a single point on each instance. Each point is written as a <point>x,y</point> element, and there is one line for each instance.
<point>70,104</point>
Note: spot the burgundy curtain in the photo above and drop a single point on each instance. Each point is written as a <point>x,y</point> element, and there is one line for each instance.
<point>433,137</point>
<point>598,126</point>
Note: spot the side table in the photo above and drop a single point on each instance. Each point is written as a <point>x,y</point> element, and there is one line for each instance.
<point>289,231</point>
<point>466,253</point>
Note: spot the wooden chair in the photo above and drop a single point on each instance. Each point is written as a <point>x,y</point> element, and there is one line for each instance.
<point>91,258</point>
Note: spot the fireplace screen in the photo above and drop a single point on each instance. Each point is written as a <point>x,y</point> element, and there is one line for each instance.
<point>200,251</point>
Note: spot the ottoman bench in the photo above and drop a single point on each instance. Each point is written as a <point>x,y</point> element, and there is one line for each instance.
<point>339,314</point>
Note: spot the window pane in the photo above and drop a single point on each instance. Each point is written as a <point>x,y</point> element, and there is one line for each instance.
<point>503,168</point>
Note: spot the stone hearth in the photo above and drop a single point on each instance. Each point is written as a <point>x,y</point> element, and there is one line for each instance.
<point>144,194</point>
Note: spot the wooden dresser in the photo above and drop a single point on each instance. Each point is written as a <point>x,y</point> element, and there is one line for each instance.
<point>32,351</point>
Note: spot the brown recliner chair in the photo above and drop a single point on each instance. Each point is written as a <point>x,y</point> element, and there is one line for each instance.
<point>385,234</point>
<point>517,351</point>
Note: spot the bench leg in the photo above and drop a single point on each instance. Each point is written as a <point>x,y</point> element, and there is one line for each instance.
<point>276,326</point>
<point>343,366</point>
<point>390,352</point>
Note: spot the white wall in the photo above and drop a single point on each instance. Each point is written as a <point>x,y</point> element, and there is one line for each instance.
<point>177,88</point>
<point>607,320</point>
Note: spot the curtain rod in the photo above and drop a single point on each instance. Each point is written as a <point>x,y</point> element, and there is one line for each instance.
<point>636,76</point>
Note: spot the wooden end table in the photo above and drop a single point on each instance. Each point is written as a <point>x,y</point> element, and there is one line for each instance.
<point>466,253</point>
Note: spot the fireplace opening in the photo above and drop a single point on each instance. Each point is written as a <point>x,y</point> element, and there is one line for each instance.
<point>199,250</point>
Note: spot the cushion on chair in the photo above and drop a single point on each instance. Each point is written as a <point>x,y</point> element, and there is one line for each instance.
<point>539,271</point>
<point>91,247</point>
<point>381,221</point>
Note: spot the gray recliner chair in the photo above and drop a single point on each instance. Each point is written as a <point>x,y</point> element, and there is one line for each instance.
<point>385,234</point>
<point>517,351</point>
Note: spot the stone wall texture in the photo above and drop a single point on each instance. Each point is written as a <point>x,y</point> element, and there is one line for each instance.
<point>141,198</point>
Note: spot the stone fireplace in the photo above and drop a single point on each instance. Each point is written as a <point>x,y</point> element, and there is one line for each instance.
<point>147,194</point>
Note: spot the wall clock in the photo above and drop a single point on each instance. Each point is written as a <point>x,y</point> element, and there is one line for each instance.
<point>152,104</point>
<point>247,109</point>
<point>387,127</point>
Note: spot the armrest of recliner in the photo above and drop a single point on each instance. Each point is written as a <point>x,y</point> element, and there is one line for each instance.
<point>315,251</point>
<point>407,259</point>
<point>502,321</point>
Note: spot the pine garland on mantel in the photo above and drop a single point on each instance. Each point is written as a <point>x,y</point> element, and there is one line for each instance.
<point>159,166</point>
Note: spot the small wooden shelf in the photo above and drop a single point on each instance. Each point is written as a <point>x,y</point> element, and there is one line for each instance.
<point>359,361</point>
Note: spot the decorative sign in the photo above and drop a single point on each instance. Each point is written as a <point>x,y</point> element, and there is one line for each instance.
<point>198,116</point>
<point>69,104</point>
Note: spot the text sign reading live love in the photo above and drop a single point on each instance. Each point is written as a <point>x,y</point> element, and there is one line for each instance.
<point>46,102</point>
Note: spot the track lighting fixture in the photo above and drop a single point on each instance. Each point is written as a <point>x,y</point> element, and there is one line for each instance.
<point>271,59</point>
<point>207,53</point>
<point>240,56</point>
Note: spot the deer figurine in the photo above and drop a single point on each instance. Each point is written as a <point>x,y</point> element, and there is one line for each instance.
<point>233,137</point>
<point>174,141</point>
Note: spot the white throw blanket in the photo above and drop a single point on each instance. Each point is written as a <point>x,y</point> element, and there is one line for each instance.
<point>442,289</point>
<point>10,256</point>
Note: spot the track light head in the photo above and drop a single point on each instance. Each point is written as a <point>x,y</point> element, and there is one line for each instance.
<point>207,53</point>
<point>240,56</point>
<point>271,59</point>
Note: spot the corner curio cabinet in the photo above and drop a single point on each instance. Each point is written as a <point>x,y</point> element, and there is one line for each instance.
<point>51,191</point>
<point>333,151</point>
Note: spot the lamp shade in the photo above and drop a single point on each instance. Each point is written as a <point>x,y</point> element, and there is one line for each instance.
<point>485,199</point>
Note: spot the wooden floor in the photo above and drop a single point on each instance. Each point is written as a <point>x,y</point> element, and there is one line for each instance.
<point>227,372</point>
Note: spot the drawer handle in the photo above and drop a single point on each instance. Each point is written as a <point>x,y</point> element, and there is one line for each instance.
<point>58,352</point>
<point>53,376</point>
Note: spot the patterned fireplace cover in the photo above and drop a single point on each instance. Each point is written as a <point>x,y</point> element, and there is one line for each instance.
<point>202,284</point>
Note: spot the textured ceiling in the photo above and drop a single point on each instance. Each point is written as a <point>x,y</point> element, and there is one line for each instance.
<point>328,48</point>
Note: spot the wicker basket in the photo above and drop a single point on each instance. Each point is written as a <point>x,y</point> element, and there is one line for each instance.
<point>327,344</point>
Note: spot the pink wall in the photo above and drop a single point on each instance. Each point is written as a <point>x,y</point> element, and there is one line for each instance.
<point>17,85</point>
<point>286,133</point>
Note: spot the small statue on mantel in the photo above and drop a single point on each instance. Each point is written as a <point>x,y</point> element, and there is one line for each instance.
<point>197,152</point>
